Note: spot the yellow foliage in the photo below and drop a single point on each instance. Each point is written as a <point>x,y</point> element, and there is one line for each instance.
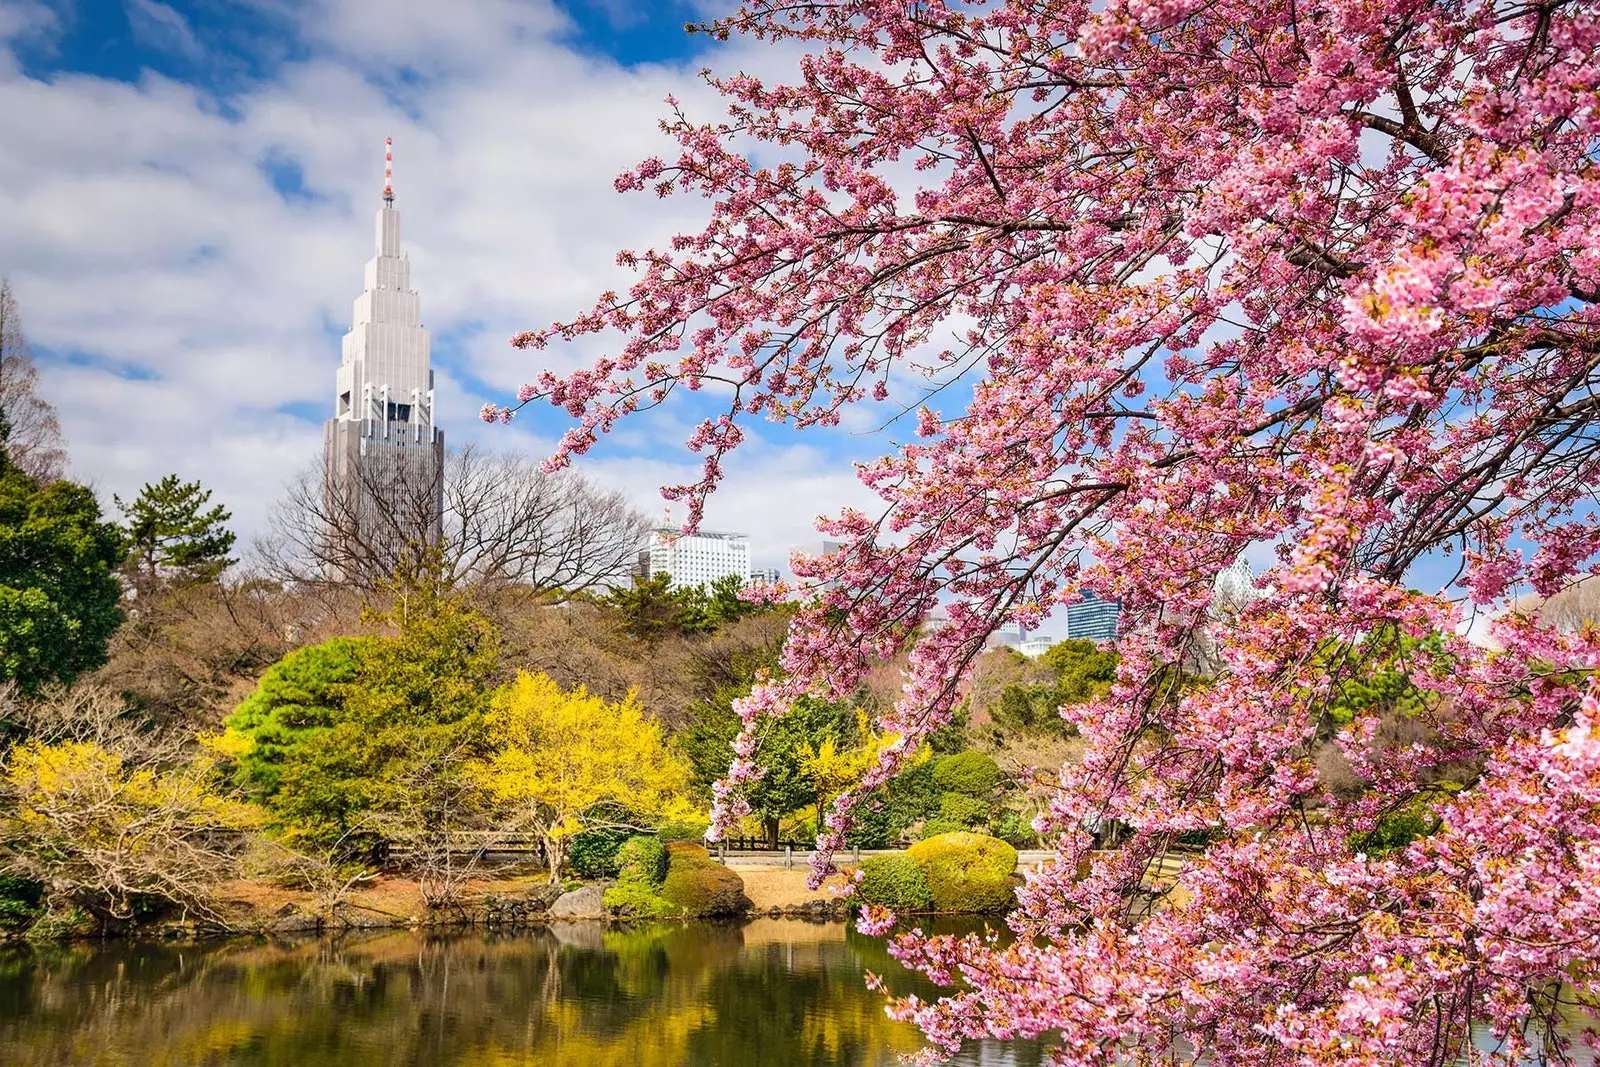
<point>557,754</point>
<point>835,771</point>
<point>81,781</point>
<point>83,819</point>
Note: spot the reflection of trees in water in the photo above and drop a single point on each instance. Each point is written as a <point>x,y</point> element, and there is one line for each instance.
<point>662,996</point>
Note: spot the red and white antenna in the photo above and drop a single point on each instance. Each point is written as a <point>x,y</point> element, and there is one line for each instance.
<point>388,168</point>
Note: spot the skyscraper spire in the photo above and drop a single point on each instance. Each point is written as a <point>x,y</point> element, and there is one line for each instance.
<point>384,455</point>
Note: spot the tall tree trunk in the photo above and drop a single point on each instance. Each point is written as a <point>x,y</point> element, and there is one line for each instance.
<point>769,826</point>
<point>555,854</point>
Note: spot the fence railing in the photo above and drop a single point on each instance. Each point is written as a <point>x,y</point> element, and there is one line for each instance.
<point>761,844</point>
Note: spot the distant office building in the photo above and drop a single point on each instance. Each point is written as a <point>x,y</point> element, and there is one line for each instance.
<point>1036,646</point>
<point>695,559</point>
<point>1008,635</point>
<point>1234,587</point>
<point>765,575</point>
<point>1093,619</point>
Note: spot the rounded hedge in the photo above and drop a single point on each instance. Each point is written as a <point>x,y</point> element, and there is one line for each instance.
<point>634,900</point>
<point>937,827</point>
<point>642,860</point>
<point>971,773</point>
<point>967,872</point>
<point>593,853</point>
<point>963,810</point>
<point>696,885</point>
<point>895,882</point>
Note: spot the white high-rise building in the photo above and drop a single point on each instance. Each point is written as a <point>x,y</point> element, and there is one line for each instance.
<point>384,457</point>
<point>695,559</point>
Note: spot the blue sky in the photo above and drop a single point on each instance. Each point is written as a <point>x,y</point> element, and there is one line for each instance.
<point>185,209</point>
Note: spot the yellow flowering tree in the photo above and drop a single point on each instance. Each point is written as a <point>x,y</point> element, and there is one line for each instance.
<point>101,831</point>
<point>836,767</point>
<point>561,762</point>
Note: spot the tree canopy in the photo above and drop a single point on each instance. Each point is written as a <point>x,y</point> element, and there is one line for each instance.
<point>171,533</point>
<point>1172,280</point>
<point>30,433</point>
<point>559,762</point>
<point>393,760</point>
<point>299,696</point>
<point>58,594</point>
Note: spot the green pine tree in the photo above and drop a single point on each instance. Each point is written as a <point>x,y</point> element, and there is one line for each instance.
<point>170,532</point>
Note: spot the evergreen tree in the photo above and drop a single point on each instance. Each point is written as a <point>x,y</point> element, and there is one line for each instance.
<point>300,696</point>
<point>391,758</point>
<point>58,593</point>
<point>169,530</point>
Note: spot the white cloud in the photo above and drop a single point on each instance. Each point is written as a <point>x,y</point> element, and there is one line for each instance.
<point>196,303</point>
<point>26,18</point>
<point>157,26</point>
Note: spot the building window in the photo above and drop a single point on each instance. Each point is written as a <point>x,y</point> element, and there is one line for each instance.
<point>399,412</point>
<point>344,403</point>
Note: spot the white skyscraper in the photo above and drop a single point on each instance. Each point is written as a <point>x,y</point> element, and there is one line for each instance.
<point>384,457</point>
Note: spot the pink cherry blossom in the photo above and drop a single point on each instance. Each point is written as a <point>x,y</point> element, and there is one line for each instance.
<point>1184,278</point>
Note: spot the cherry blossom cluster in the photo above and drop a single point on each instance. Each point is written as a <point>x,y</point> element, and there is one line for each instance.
<point>1182,280</point>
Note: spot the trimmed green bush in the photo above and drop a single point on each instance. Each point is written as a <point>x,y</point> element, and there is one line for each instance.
<point>965,811</point>
<point>642,860</point>
<point>970,773</point>
<point>937,827</point>
<point>696,885</point>
<point>966,872</point>
<point>593,853</point>
<point>635,900</point>
<point>1014,830</point>
<point>895,882</point>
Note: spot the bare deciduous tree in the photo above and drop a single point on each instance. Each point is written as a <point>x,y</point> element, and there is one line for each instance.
<point>29,430</point>
<point>506,525</point>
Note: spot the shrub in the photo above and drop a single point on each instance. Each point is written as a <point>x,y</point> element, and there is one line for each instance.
<point>593,853</point>
<point>696,885</point>
<point>692,830</point>
<point>964,811</point>
<point>118,834</point>
<point>895,882</point>
<point>642,861</point>
<point>688,854</point>
<point>20,901</point>
<point>971,773</point>
<point>874,829</point>
<point>937,827</point>
<point>1014,830</point>
<point>635,900</point>
<point>967,872</point>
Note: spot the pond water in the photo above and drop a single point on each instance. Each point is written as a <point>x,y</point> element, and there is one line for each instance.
<point>769,992</point>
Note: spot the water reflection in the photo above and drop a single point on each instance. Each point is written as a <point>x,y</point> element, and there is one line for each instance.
<point>769,992</point>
